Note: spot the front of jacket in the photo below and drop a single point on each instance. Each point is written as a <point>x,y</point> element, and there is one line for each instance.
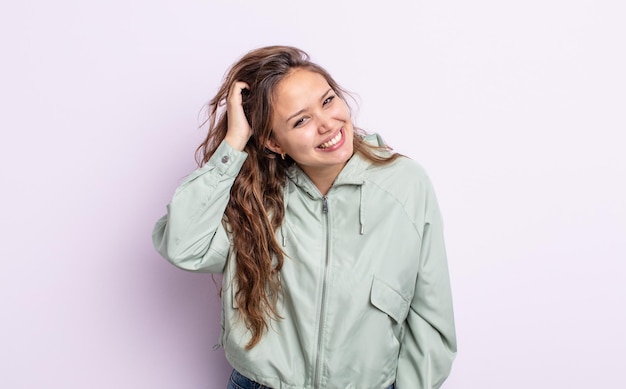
<point>366,299</point>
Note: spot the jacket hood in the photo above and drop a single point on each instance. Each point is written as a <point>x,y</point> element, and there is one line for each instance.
<point>354,173</point>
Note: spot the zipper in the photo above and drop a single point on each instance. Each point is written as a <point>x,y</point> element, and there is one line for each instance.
<point>318,362</point>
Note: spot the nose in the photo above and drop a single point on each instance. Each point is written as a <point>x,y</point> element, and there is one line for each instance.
<point>325,123</point>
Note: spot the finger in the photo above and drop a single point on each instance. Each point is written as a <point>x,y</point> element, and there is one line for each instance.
<point>236,90</point>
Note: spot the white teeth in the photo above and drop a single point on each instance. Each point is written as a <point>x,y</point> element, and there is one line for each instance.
<point>331,142</point>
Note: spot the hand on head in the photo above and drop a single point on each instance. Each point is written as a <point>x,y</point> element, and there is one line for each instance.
<point>239,130</point>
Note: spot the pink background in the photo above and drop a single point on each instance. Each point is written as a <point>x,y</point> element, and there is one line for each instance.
<point>515,109</point>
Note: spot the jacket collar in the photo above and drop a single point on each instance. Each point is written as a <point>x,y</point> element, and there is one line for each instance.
<point>351,174</point>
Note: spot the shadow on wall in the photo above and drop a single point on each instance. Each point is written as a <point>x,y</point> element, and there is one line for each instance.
<point>177,316</point>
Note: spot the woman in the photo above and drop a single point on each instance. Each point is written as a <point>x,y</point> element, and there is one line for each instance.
<point>331,246</point>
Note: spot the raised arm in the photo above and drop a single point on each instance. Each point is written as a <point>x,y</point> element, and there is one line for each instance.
<point>191,234</point>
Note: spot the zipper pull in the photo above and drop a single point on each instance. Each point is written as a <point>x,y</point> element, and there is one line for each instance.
<point>325,204</point>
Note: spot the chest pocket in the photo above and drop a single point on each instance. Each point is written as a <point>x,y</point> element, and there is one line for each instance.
<point>388,300</point>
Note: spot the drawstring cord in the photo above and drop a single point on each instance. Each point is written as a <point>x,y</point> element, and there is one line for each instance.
<point>285,197</point>
<point>361,206</point>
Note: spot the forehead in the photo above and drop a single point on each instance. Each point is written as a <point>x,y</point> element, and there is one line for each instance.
<point>299,89</point>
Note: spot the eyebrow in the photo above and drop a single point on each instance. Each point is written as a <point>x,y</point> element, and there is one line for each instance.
<point>302,110</point>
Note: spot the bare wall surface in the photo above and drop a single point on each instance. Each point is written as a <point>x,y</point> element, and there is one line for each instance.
<point>516,109</point>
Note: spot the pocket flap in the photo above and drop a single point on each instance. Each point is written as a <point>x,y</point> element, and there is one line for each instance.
<point>388,300</point>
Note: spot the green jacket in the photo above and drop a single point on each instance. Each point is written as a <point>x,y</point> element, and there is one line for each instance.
<point>367,298</point>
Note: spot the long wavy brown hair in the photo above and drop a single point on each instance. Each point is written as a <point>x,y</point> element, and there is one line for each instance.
<point>255,209</point>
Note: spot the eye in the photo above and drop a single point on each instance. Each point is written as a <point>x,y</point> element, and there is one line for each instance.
<point>328,100</point>
<point>298,122</point>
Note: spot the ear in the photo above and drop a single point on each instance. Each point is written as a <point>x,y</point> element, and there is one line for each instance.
<point>273,145</point>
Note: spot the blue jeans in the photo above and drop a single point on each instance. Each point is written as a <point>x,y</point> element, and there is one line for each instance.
<point>238,381</point>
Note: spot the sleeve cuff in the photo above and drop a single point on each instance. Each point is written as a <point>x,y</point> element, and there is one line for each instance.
<point>226,160</point>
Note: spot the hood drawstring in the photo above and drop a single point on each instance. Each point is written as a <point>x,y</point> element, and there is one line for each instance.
<point>361,206</point>
<point>282,228</point>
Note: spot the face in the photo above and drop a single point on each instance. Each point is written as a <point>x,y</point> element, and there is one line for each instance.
<point>311,124</point>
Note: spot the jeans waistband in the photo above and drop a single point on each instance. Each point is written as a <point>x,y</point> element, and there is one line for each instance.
<point>239,381</point>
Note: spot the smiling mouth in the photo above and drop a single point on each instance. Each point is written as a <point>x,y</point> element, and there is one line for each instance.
<point>333,141</point>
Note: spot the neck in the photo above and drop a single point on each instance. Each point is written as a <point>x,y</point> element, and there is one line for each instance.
<point>323,179</point>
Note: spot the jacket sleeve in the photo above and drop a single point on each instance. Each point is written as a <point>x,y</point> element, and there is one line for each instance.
<point>191,235</point>
<point>429,343</point>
